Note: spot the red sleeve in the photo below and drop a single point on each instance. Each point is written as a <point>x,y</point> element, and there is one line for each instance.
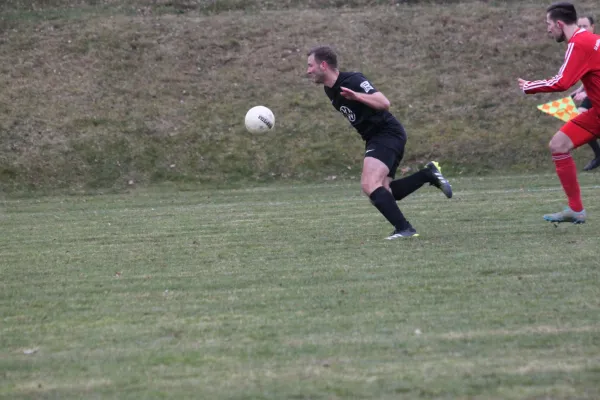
<point>574,67</point>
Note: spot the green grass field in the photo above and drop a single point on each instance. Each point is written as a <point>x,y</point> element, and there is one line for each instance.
<point>290,292</point>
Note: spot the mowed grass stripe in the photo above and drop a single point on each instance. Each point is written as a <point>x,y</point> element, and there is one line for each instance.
<point>297,295</point>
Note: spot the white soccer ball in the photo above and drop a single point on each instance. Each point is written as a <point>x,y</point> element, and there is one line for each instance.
<point>259,119</point>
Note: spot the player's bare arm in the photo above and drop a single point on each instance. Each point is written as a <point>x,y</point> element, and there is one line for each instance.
<point>376,100</point>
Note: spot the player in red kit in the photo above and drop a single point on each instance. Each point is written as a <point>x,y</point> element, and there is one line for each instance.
<point>582,62</point>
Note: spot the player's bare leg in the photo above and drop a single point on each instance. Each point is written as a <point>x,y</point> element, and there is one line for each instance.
<point>375,184</point>
<point>560,147</point>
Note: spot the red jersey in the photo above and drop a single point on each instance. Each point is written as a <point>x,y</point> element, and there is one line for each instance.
<point>582,62</point>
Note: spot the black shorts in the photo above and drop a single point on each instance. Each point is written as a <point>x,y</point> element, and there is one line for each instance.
<point>387,148</point>
<point>586,103</point>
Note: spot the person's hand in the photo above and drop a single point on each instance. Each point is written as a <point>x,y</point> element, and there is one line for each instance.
<point>580,96</point>
<point>576,91</point>
<point>349,94</point>
<point>522,83</point>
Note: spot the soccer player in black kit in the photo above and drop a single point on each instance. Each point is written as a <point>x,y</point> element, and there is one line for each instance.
<point>367,111</point>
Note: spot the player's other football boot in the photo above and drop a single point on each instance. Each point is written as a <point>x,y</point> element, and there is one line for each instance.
<point>438,179</point>
<point>567,215</point>
<point>403,233</point>
<point>595,163</point>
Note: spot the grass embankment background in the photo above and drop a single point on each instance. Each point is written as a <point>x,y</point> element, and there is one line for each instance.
<point>106,93</point>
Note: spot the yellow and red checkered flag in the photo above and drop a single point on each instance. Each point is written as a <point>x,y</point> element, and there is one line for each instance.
<point>563,109</point>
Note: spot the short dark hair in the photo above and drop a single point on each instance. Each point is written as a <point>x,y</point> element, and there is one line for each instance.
<point>564,12</point>
<point>324,53</point>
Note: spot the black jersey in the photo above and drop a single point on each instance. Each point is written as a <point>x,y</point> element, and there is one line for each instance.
<point>366,120</point>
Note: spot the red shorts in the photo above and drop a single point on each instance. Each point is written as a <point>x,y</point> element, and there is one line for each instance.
<point>584,128</point>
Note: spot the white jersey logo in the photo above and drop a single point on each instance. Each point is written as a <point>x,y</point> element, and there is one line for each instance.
<point>348,113</point>
<point>367,87</point>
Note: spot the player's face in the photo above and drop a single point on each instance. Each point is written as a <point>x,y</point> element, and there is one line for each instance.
<point>585,24</point>
<point>555,30</point>
<point>315,70</point>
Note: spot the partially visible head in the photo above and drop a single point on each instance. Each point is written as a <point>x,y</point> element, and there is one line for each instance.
<point>321,61</point>
<point>586,23</point>
<point>558,17</point>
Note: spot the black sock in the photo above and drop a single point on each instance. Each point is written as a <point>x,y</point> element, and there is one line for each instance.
<point>596,147</point>
<point>385,203</point>
<point>405,186</point>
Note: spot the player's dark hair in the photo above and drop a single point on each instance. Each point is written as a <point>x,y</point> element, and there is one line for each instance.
<point>564,12</point>
<point>324,53</point>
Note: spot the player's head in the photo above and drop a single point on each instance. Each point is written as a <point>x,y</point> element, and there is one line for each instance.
<point>558,17</point>
<point>322,60</point>
<point>586,23</point>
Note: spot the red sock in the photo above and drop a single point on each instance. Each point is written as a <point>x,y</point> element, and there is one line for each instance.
<point>567,174</point>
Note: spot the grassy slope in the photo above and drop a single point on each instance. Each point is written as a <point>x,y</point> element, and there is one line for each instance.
<point>101,93</point>
<point>222,295</point>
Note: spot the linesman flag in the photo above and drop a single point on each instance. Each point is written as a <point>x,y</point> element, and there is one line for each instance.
<point>563,109</point>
